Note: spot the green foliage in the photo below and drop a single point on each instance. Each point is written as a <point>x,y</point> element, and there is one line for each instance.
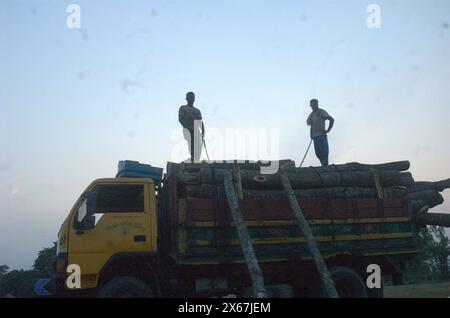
<point>20,283</point>
<point>439,251</point>
<point>431,263</point>
<point>43,263</point>
<point>3,269</point>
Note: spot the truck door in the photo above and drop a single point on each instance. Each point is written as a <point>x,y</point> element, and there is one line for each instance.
<point>122,222</point>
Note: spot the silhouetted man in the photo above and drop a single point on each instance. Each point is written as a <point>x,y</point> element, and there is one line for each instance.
<point>191,120</point>
<point>318,132</point>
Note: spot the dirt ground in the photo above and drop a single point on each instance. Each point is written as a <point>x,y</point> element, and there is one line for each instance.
<point>428,290</point>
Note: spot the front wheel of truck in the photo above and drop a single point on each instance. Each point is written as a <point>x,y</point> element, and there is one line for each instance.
<point>125,287</point>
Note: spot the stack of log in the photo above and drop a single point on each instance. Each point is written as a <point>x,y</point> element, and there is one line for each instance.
<point>350,180</point>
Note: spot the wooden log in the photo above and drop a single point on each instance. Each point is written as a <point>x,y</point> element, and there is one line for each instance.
<point>247,247</point>
<point>415,206</point>
<point>430,197</point>
<point>238,183</point>
<point>440,219</point>
<point>285,164</point>
<point>427,185</point>
<point>355,166</point>
<point>310,240</point>
<point>303,180</point>
<point>377,182</point>
<point>329,179</point>
<point>201,191</point>
<point>308,179</point>
<point>172,167</point>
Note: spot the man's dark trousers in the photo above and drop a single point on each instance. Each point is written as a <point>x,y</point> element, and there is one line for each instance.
<point>321,148</point>
<point>194,143</point>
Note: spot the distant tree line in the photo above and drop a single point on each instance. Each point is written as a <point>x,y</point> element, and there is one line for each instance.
<point>20,283</point>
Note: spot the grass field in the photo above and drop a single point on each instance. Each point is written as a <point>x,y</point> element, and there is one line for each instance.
<point>429,290</point>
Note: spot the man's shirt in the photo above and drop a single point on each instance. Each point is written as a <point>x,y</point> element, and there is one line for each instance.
<point>187,115</point>
<point>317,122</point>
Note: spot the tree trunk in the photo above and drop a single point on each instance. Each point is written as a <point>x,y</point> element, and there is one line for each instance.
<point>301,180</point>
<point>310,241</point>
<point>305,180</point>
<point>427,185</point>
<point>355,166</point>
<point>430,197</point>
<point>242,164</point>
<point>247,247</point>
<point>285,164</point>
<point>440,219</point>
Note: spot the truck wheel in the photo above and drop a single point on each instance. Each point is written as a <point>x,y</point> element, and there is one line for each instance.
<point>126,287</point>
<point>348,283</point>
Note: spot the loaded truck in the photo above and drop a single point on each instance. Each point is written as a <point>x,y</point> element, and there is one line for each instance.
<point>149,234</point>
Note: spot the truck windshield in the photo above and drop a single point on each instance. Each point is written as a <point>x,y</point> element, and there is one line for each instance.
<point>119,198</point>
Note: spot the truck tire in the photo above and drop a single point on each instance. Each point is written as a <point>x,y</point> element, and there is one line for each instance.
<point>348,283</point>
<point>125,287</point>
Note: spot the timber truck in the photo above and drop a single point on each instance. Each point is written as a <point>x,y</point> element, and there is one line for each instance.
<point>142,234</point>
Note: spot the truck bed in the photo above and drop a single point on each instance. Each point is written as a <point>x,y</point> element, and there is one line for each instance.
<point>202,232</point>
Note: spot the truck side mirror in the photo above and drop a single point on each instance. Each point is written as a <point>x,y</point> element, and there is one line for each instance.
<point>91,203</point>
<point>88,222</point>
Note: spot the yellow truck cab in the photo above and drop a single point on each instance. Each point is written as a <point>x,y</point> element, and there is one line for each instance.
<point>111,230</point>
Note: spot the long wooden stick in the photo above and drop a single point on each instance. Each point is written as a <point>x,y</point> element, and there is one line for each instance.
<point>301,164</point>
<point>237,176</point>
<point>376,178</point>
<point>310,241</point>
<point>247,247</point>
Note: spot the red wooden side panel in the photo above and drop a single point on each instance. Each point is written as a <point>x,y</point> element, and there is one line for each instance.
<point>279,209</point>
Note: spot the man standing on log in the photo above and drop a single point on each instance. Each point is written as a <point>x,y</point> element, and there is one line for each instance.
<point>191,118</point>
<point>318,132</point>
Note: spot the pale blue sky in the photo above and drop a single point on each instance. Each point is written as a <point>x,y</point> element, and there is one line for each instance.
<point>74,102</point>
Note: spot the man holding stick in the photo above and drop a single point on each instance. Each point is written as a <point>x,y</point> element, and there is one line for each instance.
<point>318,132</point>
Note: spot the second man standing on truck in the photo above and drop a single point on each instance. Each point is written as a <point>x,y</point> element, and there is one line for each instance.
<point>191,120</point>
<point>318,132</point>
